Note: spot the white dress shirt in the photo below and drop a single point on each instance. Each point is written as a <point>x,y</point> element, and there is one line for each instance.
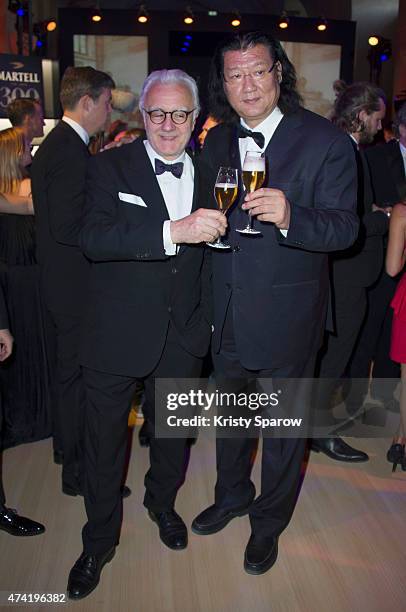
<point>80,131</point>
<point>267,127</point>
<point>177,192</point>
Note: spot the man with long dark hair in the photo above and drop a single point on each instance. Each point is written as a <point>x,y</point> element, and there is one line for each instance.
<point>271,290</point>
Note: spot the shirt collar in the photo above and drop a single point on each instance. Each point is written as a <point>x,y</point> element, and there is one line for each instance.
<point>80,131</point>
<point>268,125</point>
<point>402,149</point>
<point>355,140</point>
<point>152,154</point>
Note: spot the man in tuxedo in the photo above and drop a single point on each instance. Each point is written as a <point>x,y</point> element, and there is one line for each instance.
<point>270,292</point>
<point>58,187</point>
<point>358,111</point>
<point>388,178</point>
<point>148,309</point>
<point>10,521</point>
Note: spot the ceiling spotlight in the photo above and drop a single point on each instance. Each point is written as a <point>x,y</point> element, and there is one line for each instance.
<point>236,20</point>
<point>283,21</point>
<point>96,14</point>
<point>188,18</point>
<point>373,40</point>
<point>212,13</point>
<point>51,25</point>
<point>142,14</point>
<point>321,25</point>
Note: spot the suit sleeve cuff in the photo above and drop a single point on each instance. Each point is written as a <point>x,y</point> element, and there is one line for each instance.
<point>169,246</point>
<point>284,233</point>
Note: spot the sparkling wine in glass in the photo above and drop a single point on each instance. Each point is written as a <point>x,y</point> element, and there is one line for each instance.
<point>253,177</point>
<point>225,193</point>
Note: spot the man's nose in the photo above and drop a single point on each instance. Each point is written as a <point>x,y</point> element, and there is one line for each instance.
<point>168,124</point>
<point>248,82</point>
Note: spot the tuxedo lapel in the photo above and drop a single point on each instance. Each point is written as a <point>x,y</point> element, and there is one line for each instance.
<point>142,179</point>
<point>283,140</point>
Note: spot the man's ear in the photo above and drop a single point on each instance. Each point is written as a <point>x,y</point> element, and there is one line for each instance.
<point>86,103</point>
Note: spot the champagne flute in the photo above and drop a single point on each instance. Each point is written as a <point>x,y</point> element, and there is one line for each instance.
<point>253,177</point>
<point>225,193</point>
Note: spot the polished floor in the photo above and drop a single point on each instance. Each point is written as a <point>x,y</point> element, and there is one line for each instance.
<point>344,551</point>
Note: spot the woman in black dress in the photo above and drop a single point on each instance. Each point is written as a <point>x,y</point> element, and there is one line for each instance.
<point>26,376</point>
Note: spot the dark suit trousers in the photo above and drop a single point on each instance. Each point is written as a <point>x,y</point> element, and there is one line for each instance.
<point>109,401</point>
<point>71,398</point>
<point>281,458</point>
<point>374,341</point>
<point>349,311</point>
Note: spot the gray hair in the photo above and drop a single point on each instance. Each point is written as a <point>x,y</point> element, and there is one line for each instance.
<point>169,77</point>
<point>400,119</point>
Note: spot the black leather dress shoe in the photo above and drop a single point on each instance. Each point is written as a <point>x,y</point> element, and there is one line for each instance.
<point>260,554</point>
<point>73,491</point>
<point>85,574</point>
<point>336,448</point>
<point>172,529</point>
<point>17,525</point>
<point>215,518</point>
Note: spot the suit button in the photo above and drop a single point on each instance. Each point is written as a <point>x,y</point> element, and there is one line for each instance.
<point>169,309</point>
<point>236,249</point>
<point>174,271</point>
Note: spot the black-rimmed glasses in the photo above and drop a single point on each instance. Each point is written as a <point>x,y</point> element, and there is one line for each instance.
<point>178,117</point>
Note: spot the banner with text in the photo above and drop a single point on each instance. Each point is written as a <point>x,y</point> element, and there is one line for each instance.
<point>20,77</point>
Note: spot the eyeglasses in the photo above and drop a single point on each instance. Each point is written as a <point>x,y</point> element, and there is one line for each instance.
<point>178,117</point>
<point>236,77</point>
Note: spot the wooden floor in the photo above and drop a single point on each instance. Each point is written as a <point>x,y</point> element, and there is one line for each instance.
<point>344,550</point>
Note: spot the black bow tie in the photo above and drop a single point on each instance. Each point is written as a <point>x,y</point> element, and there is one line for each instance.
<point>256,136</point>
<point>161,167</point>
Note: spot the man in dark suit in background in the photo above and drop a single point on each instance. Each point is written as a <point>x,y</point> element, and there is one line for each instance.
<point>148,312</point>
<point>358,111</point>
<point>28,115</point>
<point>10,521</point>
<point>58,187</point>
<point>388,178</point>
<point>270,292</point>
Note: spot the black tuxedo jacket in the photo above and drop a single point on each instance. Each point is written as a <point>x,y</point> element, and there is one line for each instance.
<point>361,264</point>
<point>135,289</point>
<point>280,286</point>
<point>58,175</point>
<point>387,173</point>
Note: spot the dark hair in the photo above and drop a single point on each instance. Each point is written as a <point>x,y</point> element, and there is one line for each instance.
<point>289,99</point>
<point>82,81</point>
<point>354,99</point>
<point>19,108</point>
<point>400,119</point>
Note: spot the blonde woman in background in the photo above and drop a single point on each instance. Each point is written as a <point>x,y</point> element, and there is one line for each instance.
<point>25,376</point>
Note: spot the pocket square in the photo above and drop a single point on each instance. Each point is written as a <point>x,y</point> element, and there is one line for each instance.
<point>131,199</point>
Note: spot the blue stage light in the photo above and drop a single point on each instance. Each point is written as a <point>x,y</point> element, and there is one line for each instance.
<point>20,12</point>
<point>384,57</point>
<point>188,37</point>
